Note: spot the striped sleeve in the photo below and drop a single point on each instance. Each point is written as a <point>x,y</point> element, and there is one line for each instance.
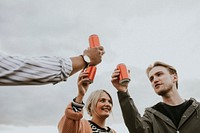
<point>33,71</point>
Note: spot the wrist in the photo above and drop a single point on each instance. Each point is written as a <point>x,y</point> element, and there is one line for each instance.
<point>77,107</point>
<point>86,60</point>
<point>79,99</point>
<point>123,89</point>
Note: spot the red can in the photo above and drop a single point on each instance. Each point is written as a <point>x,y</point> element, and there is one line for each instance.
<point>124,76</point>
<point>91,72</point>
<point>94,41</point>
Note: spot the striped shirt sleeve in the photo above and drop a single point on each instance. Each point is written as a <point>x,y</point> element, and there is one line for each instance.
<point>16,70</point>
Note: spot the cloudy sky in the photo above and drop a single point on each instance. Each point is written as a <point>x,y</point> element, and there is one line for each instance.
<point>135,32</point>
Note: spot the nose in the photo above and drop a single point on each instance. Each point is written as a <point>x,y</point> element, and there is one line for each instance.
<point>155,80</point>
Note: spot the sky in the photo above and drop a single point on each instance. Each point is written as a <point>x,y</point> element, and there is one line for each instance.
<point>134,32</point>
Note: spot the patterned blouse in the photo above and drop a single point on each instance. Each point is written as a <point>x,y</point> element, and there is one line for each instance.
<point>98,129</point>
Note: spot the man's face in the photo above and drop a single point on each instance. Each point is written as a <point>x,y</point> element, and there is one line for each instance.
<point>161,80</point>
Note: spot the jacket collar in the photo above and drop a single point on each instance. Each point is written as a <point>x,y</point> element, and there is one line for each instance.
<point>191,109</point>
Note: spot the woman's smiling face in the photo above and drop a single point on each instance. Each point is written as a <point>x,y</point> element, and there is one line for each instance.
<point>104,106</point>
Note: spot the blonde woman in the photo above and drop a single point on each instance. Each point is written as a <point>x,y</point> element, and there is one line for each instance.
<point>98,105</point>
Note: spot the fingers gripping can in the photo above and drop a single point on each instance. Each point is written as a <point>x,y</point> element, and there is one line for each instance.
<point>93,42</point>
<point>91,72</point>
<point>124,76</point>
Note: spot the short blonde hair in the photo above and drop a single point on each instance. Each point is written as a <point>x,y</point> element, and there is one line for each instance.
<point>170,68</point>
<point>93,99</point>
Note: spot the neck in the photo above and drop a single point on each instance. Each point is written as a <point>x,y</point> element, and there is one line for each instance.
<point>172,98</point>
<point>99,121</point>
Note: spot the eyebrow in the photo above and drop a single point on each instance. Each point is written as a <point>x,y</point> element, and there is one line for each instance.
<point>155,74</point>
<point>106,99</point>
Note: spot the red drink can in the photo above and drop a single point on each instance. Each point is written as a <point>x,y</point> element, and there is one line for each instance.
<point>94,41</point>
<point>124,76</point>
<point>91,72</point>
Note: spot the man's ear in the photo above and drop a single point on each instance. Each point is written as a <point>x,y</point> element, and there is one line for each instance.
<point>175,77</point>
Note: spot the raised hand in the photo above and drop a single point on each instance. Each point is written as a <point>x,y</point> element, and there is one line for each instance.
<point>115,81</point>
<point>95,54</point>
<point>83,85</point>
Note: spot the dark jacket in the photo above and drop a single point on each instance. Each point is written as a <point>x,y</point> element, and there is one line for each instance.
<point>155,122</point>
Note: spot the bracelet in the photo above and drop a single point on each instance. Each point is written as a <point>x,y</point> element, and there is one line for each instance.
<point>77,107</point>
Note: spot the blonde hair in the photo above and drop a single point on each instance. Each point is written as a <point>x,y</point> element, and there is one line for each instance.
<point>93,99</point>
<point>170,68</point>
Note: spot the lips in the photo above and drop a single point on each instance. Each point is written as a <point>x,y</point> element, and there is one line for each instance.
<point>107,109</point>
<point>157,85</point>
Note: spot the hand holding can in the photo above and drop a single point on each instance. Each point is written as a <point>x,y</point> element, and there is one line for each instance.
<point>91,73</point>
<point>93,42</point>
<point>124,75</point>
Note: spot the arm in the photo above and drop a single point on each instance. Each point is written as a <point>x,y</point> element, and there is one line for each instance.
<point>43,70</point>
<point>130,113</point>
<point>71,122</point>
<point>133,121</point>
<point>95,54</point>
<point>33,71</point>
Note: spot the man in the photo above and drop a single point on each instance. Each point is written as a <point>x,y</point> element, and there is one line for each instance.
<point>172,115</point>
<point>44,70</point>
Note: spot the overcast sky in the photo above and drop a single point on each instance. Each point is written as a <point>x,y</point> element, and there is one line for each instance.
<point>136,32</point>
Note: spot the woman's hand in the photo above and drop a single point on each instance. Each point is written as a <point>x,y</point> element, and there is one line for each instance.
<point>83,84</point>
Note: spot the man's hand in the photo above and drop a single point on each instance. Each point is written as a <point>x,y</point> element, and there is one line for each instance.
<point>115,81</point>
<point>95,54</point>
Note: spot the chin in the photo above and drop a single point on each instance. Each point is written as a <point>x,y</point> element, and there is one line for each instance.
<point>162,93</point>
<point>105,115</point>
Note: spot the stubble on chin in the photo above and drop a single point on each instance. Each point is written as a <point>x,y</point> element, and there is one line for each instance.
<point>163,92</point>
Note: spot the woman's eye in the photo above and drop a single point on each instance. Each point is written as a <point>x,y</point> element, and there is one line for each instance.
<point>102,100</point>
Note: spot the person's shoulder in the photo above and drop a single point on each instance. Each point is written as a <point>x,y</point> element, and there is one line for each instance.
<point>194,102</point>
